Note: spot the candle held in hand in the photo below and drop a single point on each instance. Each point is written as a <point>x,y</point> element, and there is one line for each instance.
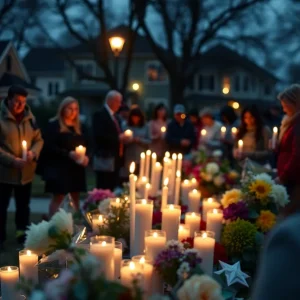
<point>240,147</point>
<point>24,150</point>
<point>274,137</point>
<point>80,150</point>
<point>163,129</point>
<point>128,133</point>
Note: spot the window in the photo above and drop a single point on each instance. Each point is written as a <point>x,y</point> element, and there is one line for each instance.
<point>155,72</point>
<point>226,85</point>
<point>237,84</point>
<point>267,90</point>
<point>8,63</point>
<point>56,88</point>
<point>50,91</point>
<point>246,84</point>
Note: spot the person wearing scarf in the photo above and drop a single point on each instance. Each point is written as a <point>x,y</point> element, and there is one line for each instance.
<point>288,163</point>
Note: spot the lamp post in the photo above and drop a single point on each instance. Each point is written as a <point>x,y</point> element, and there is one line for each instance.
<point>116,45</point>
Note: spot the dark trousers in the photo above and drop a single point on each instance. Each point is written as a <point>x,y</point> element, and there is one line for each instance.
<point>107,180</point>
<point>22,195</point>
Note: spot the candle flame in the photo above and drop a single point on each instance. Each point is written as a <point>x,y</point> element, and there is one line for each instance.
<point>193,214</point>
<point>148,152</point>
<point>241,143</point>
<point>186,181</point>
<point>154,155</point>
<point>174,156</point>
<point>118,200</point>
<point>28,252</point>
<point>131,265</point>
<point>24,144</point>
<point>128,132</point>
<point>157,164</point>
<point>275,129</point>
<point>80,147</point>
<point>163,129</point>
<point>9,269</point>
<point>179,156</point>
<point>204,235</point>
<point>132,167</point>
<point>148,186</point>
<point>167,154</point>
<point>103,243</point>
<point>155,234</point>
<point>180,227</point>
<point>144,179</point>
<point>178,174</point>
<point>171,206</point>
<point>143,155</point>
<point>215,211</point>
<point>203,132</point>
<point>166,160</point>
<point>166,181</point>
<point>210,200</point>
<point>100,218</point>
<point>233,130</point>
<point>142,260</point>
<point>144,201</point>
<point>223,129</point>
<point>193,180</point>
<point>195,191</point>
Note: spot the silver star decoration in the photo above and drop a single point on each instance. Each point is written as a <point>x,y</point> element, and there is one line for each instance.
<point>233,273</point>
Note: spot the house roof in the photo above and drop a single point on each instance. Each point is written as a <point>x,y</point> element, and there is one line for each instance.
<point>9,79</point>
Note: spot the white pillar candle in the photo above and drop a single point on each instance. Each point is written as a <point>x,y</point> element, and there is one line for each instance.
<point>118,251</point>
<point>28,265</point>
<point>102,247</point>
<point>80,150</point>
<point>172,176</point>
<point>223,132</point>
<point>142,185</point>
<point>240,147</point>
<point>147,190</point>
<point>142,165</point>
<point>214,222</point>
<point>233,132</point>
<point>208,204</point>
<point>183,232</point>
<point>185,189</point>
<point>153,162</point>
<point>9,279</point>
<point>274,137</point>
<point>132,180</point>
<point>194,201</point>
<point>170,221</point>
<point>177,187</point>
<point>147,169</point>
<point>128,133</point>
<point>155,184</point>
<point>130,272</point>
<point>24,150</point>
<point>204,242</point>
<point>167,164</point>
<point>164,195</point>
<point>179,162</point>
<point>155,242</point>
<point>193,220</point>
<point>97,221</point>
<point>147,271</point>
<point>143,221</point>
<point>194,183</point>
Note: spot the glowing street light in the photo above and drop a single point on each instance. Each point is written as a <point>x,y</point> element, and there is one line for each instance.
<point>135,86</point>
<point>116,44</point>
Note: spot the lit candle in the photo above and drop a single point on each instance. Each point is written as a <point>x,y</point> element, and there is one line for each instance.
<point>170,221</point>
<point>233,132</point>
<point>163,129</point>
<point>24,150</point>
<point>274,137</point>
<point>203,132</point>
<point>167,164</point>
<point>148,157</point>
<point>223,132</point>
<point>185,189</point>
<point>172,176</point>
<point>177,187</point>
<point>97,221</point>
<point>153,162</point>
<point>193,220</point>
<point>128,133</point>
<point>132,180</point>
<point>165,192</point>
<point>143,221</point>
<point>204,242</point>
<point>142,165</point>
<point>155,242</point>
<point>9,279</point>
<point>240,147</point>
<point>194,183</point>
<point>167,154</point>
<point>117,259</point>
<point>147,190</point>
<point>130,272</point>
<point>183,232</point>
<point>115,202</point>
<point>80,150</point>
<point>194,201</point>
<point>28,265</point>
<point>208,204</point>
<point>156,180</point>
<point>214,222</point>
<point>179,162</point>
<point>102,247</point>
<point>142,185</point>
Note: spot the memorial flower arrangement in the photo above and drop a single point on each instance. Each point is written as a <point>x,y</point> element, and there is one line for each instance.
<point>95,197</point>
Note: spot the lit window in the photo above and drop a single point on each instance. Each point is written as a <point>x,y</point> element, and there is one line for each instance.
<point>226,85</point>
<point>155,72</point>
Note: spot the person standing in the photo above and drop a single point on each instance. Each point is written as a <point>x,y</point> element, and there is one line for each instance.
<point>62,168</point>
<point>180,135</point>
<point>108,142</point>
<point>17,124</point>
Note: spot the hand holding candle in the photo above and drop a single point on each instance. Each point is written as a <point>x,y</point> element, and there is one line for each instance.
<point>80,151</point>
<point>240,148</point>
<point>233,132</point>
<point>274,138</point>
<point>24,150</point>
<point>223,132</point>
<point>129,134</point>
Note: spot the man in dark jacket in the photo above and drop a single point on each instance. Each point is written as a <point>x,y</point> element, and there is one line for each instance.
<point>180,135</point>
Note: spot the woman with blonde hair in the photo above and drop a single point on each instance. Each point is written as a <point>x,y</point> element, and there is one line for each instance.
<point>62,168</point>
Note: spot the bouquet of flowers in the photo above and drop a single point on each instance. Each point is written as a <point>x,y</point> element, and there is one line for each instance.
<point>95,197</point>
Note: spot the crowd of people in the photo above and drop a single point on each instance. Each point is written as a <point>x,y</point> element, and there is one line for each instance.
<point>52,155</point>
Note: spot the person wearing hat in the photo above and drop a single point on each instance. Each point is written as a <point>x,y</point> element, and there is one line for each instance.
<point>180,135</point>
<point>288,162</point>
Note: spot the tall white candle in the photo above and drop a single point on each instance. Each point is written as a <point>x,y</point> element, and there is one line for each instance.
<point>179,162</point>
<point>240,147</point>
<point>167,164</point>
<point>194,201</point>
<point>102,247</point>
<point>28,265</point>
<point>165,192</point>
<point>142,185</point>
<point>118,258</point>
<point>177,187</point>
<point>274,137</point>
<point>80,150</point>
<point>155,242</point>
<point>24,150</point>
<point>142,165</point>
<point>97,221</point>
<point>185,189</point>
<point>143,221</point>
<point>153,162</point>
<point>233,132</point>
<point>147,190</point>
<point>132,180</point>
<point>172,176</point>
<point>194,183</point>
<point>170,221</point>
<point>208,204</point>
<point>214,222</point>
<point>9,279</point>
<point>204,242</point>
<point>155,184</point>
<point>193,220</point>
<point>147,170</point>
<point>183,232</point>
<point>223,132</point>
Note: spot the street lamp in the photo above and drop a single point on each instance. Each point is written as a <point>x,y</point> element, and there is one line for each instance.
<point>116,45</point>
<point>135,86</point>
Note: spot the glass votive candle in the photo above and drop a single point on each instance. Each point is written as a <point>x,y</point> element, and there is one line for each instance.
<point>115,202</point>
<point>146,270</point>
<point>9,277</point>
<point>102,247</point>
<point>170,221</point>
<point>118,252</point>
<point>28,265</point>
<point>183,232</point>
<point>155,242</point>
<point>214,222</point>
<point>130,272</point>
<point>97,221</point>
<point>208,204</point>
<point>193,220</point>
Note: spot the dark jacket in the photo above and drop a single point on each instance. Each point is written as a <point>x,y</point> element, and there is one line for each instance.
<point>176,133</point>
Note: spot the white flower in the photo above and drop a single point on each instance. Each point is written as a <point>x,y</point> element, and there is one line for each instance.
<point>193,251</point>
<point>175,244</point>
<point>63,221</point>
<point>219,180</point>
<point>280,195</point>
<point>265,177</point>
<point>212,168</point>
<point>37,238</point>
<point>183,270</point>
<point>38,295</point>
<point>90,264</point>
<point>217,153</point>
<point>104,205</point>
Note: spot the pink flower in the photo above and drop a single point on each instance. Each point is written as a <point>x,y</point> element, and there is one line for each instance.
<point>97,195</point>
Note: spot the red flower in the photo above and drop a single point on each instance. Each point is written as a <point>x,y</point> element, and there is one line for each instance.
<point>188,243</point>
<point>220,254</point>
<point>157,217</point>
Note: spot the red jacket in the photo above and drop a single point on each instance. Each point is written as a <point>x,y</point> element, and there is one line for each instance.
<point>288,163</point>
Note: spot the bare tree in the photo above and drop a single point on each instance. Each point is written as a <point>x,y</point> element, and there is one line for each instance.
<point>188,26</point>
<point>5,8</point>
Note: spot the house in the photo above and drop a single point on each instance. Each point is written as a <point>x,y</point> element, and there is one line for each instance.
<point>13,71</point>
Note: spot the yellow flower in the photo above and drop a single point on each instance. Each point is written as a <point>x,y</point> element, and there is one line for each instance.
<point>266,220</point>
<point>261,188</point>
<point>232,196</point>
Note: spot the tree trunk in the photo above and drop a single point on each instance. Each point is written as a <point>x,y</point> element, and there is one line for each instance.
<point>176,91</point>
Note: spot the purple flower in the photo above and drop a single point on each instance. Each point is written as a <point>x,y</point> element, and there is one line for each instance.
<point>235,211</point>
